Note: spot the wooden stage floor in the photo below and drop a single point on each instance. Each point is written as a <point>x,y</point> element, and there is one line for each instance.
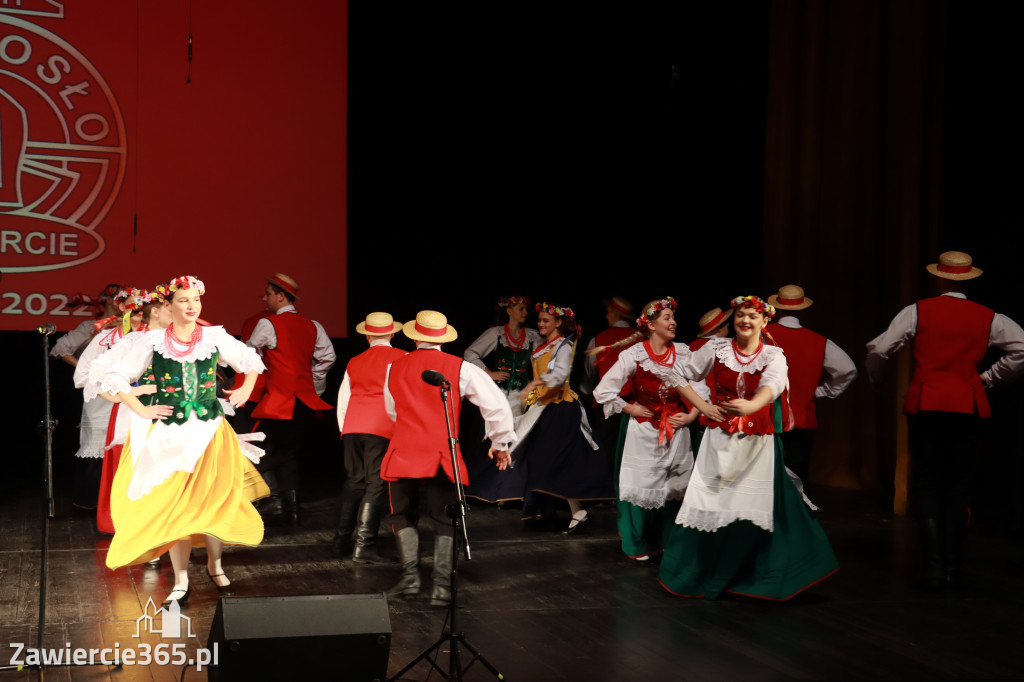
<point>542,606</point>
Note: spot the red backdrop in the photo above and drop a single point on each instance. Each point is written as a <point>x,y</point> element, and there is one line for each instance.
<point>114,168</point>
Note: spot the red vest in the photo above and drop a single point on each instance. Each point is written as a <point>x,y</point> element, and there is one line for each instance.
<point>949,345</point>
<point>758,423</point>
<point>289,368</point>
<point>607,338</point>
<point>420,440</point>
<point>366,374</point>
<point>607,359</point>
<point>805,355</point>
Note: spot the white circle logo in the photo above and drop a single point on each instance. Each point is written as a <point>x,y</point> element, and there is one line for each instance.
<point>62,151</point>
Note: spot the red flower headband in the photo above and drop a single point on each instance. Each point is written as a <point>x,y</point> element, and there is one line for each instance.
<point>187,282</point>
<point>756,302</point>
<point>510,301</point>
<point>555,311</point>
<point>133,298</point>
<point>159,293</point>
<point>653,310</point>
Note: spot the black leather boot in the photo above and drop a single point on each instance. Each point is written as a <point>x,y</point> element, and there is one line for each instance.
<point>342,543</point>
<point>953,536</point>
<point>931,579</point>
<point>365,551</point>
<point>408,540</point>
<point>441,595</point>
<point>290,506</point>
<point>270,507</point>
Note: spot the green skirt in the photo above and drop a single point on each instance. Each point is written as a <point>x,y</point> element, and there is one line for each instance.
<point>744,559</point>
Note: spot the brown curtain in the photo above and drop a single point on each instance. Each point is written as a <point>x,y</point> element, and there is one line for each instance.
<point>853,144</point>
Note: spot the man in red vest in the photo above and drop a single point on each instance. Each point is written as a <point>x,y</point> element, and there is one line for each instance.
<point>621,323</point>
<point>712,324</point>
<point>366,431</point>
<point>418,462</point>
<point>600,357</point>
<point>945,404</point>
<point>818,368</point>
<point>298,353</point>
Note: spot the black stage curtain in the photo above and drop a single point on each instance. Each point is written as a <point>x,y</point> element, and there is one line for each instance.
<point>890,137</point>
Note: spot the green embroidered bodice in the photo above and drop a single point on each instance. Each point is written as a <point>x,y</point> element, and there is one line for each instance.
<point>186,386</point>
<point>146,379</point>
<point>516,363</point>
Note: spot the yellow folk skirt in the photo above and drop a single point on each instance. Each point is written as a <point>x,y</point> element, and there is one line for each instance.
<point>214,499</point>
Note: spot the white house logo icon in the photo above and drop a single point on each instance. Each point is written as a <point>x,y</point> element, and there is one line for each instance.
<point>170,621</point>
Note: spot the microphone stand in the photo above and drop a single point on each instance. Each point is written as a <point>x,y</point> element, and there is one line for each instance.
<point>47,426</point>
<point>457,512</point>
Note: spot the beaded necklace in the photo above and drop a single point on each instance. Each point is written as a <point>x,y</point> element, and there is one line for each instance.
<point>517,342</point>
<point>753,356</point>
<point>172,342</point>
<point>666,359</point>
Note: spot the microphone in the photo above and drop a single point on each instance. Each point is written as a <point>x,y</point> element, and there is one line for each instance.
<point>434,378</point>
<point>47,329</point>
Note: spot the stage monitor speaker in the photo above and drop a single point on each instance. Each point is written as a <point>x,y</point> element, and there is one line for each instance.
<point>319,637</point>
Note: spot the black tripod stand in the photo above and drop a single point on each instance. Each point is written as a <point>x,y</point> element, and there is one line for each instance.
<point>455,640</point>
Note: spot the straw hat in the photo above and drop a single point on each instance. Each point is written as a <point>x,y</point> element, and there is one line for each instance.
<point>790,297</point>
<point>954,265</point>
<point>621,306</point>
<point>430,326</point>
<point>378,324</point>
<point>712,320</point>
<point>279,279</point>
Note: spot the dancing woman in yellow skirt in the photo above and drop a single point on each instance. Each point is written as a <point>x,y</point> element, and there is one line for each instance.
<point>184,480</point>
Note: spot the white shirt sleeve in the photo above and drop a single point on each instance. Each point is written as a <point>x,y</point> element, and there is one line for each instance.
<point>1008,336</point>
<point>902,328</point>
<point>323,358</point>
<point>838,372</point>
<point>389,400</point>
<point>263,336</point>
<point>235,354</point>
<point>482,347</point>
<point>698,364</point>
<point>344,393</point>
<point>558,371</point>
<point>89,355</point>
<point>607,391</point>
<point>479,389</point>
<point>776,373</point>
<point>116,370</point>
<point>74,341</point>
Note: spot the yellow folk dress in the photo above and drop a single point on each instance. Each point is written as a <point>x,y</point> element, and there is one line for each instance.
<point>187,476</point>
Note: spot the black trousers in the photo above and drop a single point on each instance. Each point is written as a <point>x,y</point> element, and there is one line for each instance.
<point>285,438</point>
<point>942,447</point>
<point>363,453</point>
<point>796,451</point>
<point>436,493</point>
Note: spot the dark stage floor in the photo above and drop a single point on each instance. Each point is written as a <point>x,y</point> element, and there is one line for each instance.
<point>542,606</point>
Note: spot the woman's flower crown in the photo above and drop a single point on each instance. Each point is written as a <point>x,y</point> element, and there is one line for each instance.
<point>133,298</point>
<point>159,293</point>
<point>555,311</point>
<point>186,282</point>
<point>510,301</point>
<point>755,302</point>
<point>653,310</point>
